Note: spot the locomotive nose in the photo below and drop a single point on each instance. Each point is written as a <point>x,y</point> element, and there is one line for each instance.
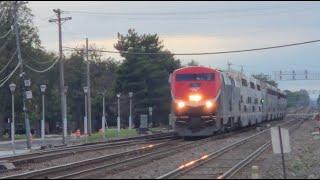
<point>195,85</point>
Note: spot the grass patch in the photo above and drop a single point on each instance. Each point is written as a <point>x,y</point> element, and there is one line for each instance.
<point>17,137</point>
<point>113,133</point>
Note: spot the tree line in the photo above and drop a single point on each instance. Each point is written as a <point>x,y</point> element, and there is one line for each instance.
<point>146,75</point>
<point>299,98</point>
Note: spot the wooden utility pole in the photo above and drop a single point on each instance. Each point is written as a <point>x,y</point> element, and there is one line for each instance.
<point>25,84</point>
<point>62,86</point>
<point>89,89</point>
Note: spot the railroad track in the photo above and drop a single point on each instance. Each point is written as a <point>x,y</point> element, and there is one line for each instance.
<point>55,171</point>
<point>44,155</point>
<point>250,158</point>
<point>227,161</point>
<point>116,162</point>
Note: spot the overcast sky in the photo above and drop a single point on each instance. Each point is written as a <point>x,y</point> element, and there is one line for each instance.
<point>187,27</point>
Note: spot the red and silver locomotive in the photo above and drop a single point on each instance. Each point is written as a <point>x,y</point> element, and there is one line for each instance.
<point>207,100</point>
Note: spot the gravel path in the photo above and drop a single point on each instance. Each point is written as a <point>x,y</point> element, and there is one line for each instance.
<point>302,162</point>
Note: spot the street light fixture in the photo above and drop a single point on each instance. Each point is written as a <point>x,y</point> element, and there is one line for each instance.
<point>118,118</point>
<point>85,89</point>
<point>12,87</point>
<point>130,115</point>
<point>43,90</point>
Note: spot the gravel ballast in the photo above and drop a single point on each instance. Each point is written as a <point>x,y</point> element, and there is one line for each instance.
<point>159,167</point>
<point>301,163</point>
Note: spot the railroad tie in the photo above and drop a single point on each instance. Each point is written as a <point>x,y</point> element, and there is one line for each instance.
<point>5,165</point>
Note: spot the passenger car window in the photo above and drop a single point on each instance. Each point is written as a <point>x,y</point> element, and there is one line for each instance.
<point>232,81</point>
<point>252,85</point>
<point>244,82</point>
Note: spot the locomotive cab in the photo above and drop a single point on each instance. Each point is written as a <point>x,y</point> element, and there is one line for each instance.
<point>195,92</point>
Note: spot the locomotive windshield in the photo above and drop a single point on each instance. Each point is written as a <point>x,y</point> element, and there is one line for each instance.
<point>195,77</point>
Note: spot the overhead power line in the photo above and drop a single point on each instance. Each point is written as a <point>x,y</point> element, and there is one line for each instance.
<point>201,53</point>
<point>10,60</point>
<point>37,61</point>
<point>6,34</point>
<point>3,14</point>
<point>40,62</point>
<point>45,70</point>
<point>3,81</point>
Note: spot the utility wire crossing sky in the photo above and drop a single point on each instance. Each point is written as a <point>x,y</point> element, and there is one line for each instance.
<point>189,27</point>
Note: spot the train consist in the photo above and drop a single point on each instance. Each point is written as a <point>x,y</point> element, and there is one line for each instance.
<point>207,100</point>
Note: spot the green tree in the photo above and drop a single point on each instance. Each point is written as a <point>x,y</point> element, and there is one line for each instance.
<point>30,43</point>
<point>297,98</point>
<point>103,75</point>
<point>146,75</point>
<point>193,63</point>
<point>264,78</point>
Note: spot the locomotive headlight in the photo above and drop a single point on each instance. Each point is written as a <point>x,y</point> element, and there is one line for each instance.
<point>195,97</point>
<point>209,104</point>
<point>181,104</point>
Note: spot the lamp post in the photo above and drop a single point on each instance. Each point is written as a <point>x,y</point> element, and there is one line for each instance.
<point>12,87</point>
<point>130,115</point>
<point>43,90</point>
<point>103,116</point>
<point>85,123</point>
<point>118,118</point>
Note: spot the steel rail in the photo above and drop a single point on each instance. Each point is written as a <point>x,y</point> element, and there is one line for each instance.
<point>72,151</point>
<point>235,169</point>
<point>245,161</point>
<point>140,158</point>
<point>65,167</point>
<point>214,155</point>
<point>102,159</point>
<point>78,148</point>
<point>62,168</point>
<point>127,161</point>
